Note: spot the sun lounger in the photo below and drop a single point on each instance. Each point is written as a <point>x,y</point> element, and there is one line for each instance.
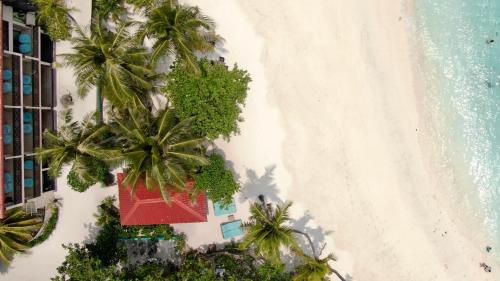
<point>27,79</point>
<point>27,89</point>
<point>7,134</point>
<point>29,183</point>
<point>219,210</point>
<point>25,48</point>
<point>28,164</point>
<point>7,74</point>
<point>27,117</point>
<point>231,229</point>
<point>24,38</point>
<point>28,129</point>
<point>8,182</point>
<point>7,87</point>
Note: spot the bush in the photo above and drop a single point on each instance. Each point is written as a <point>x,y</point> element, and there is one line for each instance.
<point>49,227</point>
<point>214,97</point>
<point>217,181</point>
<point>76,183</point>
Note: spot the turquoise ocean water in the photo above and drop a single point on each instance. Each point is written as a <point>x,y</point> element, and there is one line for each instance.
<point>461,72</point>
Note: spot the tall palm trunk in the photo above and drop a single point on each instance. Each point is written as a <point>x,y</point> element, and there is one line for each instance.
<point>99,106</point>
<point>315,254</point>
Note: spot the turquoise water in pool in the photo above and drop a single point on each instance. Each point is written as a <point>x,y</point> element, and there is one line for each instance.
<point>461,46</point>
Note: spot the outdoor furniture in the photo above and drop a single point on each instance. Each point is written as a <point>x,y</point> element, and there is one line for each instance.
<point>24,38</point>
<point>226,210</point>
<point>29,183</point>
<point>27,79</point>
<point>7,133</point>
<point>28,129</point>
<point>28,117</point>
<point>27,89</point>
<point>7,87</point>
<point>8,182</point>
<point>28,164</point>
<point>231,229</point>
<point>7,74</point>
<point>25,48</point>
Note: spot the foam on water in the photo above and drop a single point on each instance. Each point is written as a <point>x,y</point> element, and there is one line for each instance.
<point>462,93</point>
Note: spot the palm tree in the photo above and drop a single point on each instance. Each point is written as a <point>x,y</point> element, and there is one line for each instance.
<point>314,269</point>
<point>76,142</point>
<point>157,148</point>
<point>16,230</point>
<point>267,230</point>
<point>179,30</point>
<point>109,9</point>
<point>113,63</point>
<point>55,16</point>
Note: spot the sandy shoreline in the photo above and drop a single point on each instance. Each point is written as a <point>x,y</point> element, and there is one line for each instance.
<point>355,149</point>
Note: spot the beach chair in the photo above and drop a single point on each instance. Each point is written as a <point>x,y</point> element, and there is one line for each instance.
<point>7,74</point>
<point>27,90</point>
<point>27,79</point>
<point>25,49</point>
<point>7,134</point>
<point>7,87</point>
<point>231,229</point>
<point>24,38</point>
<point>28,165</point>
<point>220,210</point>
<point>8,182</point>
<point>28,129</point>
<point>27,117</point>
<point>29,182</point>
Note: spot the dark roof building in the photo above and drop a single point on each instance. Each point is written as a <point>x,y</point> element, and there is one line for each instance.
<point>148,207</point>
<point>27,101</point>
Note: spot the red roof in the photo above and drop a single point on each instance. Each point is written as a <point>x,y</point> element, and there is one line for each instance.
<point>147,207</point>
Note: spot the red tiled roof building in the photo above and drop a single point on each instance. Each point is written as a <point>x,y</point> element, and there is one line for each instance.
<point>148,207</point>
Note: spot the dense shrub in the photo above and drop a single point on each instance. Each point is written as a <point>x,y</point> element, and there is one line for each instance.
<point>217,181</point>
<point>101,172</point>
<point>213,98</point>
<point>76,183</point>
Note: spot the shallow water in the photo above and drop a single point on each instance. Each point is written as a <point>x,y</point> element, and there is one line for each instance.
<point>461,44</point>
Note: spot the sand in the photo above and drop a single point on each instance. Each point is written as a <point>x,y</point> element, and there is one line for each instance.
<point>335,109</point>
<point>333,123</point>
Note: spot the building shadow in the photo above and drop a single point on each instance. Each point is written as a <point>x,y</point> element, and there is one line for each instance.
<point>256,185</point>
<point>93,231</point>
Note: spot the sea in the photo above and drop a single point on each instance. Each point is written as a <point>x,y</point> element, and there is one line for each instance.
<point>460,66</point>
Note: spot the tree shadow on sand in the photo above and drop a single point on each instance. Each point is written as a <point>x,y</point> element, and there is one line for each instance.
<point>255,186</point>
<point>317,234</point>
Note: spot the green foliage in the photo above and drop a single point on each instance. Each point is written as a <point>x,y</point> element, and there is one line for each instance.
<point>55,16</point>
<point>76,183</point>
<point>313,269</point>
<point>80,265</point>
<point>110,9</point>
<point>50,226</point>
<point>213,98</point>
<point>160,149</point>
<point>195,268</point>
<point>272,272</point>
<point>217,181</point>
<point>159,231</point>
<point>178,29</point>
<point>16,230</point>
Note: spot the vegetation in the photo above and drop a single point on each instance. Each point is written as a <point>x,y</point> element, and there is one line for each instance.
<point>160,149</point>
<point>213,98</point>
<point>101,175</point>
<point>110,9</point>
<point>178,30</point>
<point>49,227</point>
<point>55,16</point>
<point>217,181</point>
<point>16,230</point>
<point>267,231</point>
<point>80,143</point>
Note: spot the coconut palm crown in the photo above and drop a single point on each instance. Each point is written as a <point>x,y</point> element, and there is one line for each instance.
<point>160,149</point>
<point>267,230</point>
<point>55,16</point>
<point>314,269</point>
<point>76,142</point>
<point>112,62</point>
<point>180,31</point>
<point>16,230</point>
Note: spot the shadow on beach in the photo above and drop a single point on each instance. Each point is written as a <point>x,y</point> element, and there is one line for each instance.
<point>255,185</point>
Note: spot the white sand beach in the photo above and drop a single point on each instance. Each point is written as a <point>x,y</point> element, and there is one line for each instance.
<point>332,123</point>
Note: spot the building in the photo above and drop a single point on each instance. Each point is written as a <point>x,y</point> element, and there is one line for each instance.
<point>148,207</point>
<point>27,105</point>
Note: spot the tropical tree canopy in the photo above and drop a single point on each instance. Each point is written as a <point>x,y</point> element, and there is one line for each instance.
<point>113,62</point>
<point>213,98</point>
<point>313,269</point>
<point>267,231</point>
<point>216,180</point>
<point>179,30</point>
<point>76,142</point>
<point>55,16</point>
<point>110,9</point>
<point>159,148</point>
<point>16,230</point>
